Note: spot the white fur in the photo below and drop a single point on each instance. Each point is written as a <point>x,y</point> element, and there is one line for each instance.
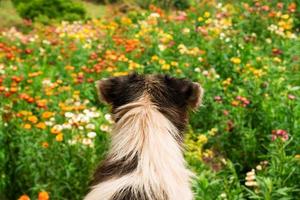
<point>161,167</point>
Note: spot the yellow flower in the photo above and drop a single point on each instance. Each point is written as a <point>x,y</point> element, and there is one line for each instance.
<point>161,61</point>
<point>276,59</point>
<point>126,21</point>
<point>59,137</point>
<point>207,14</point>
<point>33,119</point>
<point>175,64</point>
<point>202,139</point>
<point>227,82</point>
<point>25,113</point>
<point>213,131</point>
<point>120,73</point>
<point>286,16</point>
<point>165,66</point>
<point>200,19</point>
<point>235,60</point>
<point>27,126</point>
<point>208,153</point>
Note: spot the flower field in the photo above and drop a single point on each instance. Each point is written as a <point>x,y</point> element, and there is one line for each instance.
<point>243,142</point>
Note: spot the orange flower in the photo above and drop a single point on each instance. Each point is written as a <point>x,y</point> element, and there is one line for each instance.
<point>24,197</point>
<point>43,195</point>
<point>33,119</point>
<point>56,129</point>
<point>41,103</point>
<point>2,88</point>
<point>59,137</point>
<point>27,126</point>
<point>45,145</point>
<point>13,89</point>
<point>47,115</point>
<point>41,125</point>
<point>235,103</point>
<point>69,68</point>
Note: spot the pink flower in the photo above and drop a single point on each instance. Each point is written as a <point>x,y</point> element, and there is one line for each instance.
<point>225,112</point>
<point>291,97</point>
<point>181,17</point>
<point>282,134</point>
<point>218,98</point>
<point>202,30</point>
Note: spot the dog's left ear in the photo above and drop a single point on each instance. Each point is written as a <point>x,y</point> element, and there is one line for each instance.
<point>110,90</point>
<point>192,92</point>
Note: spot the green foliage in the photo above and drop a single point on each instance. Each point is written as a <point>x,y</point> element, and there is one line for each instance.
<point>43,10</point>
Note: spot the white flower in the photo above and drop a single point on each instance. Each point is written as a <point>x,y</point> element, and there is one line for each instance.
<point>162,47</point>
<point>154,15</point>
<point>186,31</point>
<point>92,134</point>
<point>58,127</point>
<point>104,127</point>
<point>197,69</point>
<point>108,117</point>
<point>251,183</point>
<point>72,142</point>
<point>48,123</point>
<point>87,141</point>
<point>69,115</point>
<point>66,126</point>
<point>90,126</point>
<point>84,119</point>
<point>259,167</point>
<point>269,40</point>
<point>223,195</point>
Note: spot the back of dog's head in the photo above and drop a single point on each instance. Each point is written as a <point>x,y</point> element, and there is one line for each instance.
<point>172,96</point>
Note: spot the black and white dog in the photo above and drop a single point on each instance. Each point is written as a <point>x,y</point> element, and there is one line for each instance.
<point>145,161</point>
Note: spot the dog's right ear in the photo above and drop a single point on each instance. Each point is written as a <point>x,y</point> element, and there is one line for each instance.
<point>187,91</point>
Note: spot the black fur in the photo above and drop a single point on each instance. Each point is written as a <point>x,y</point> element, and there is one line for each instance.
<point>128,194</point>
<point>107,169</point>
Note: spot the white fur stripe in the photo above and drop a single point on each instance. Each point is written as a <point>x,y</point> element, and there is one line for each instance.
<point>142,129</point>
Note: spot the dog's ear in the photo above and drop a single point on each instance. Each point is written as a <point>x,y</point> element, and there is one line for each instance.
<point>111,89</point>
<point>107,88</point>
<point>191,92</point>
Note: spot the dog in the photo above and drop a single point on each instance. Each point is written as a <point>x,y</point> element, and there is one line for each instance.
<point>145,160</point>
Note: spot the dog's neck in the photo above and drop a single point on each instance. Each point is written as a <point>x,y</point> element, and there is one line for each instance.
<point>145,140</point>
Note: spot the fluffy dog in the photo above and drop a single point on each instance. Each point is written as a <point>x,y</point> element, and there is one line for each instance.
<point>145,160</point>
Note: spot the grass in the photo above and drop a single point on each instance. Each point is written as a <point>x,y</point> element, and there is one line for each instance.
<point>93,10</point>
<point>8,14</point>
